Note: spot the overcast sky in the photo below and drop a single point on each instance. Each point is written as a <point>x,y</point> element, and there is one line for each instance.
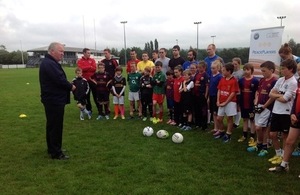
<point>31,24</point>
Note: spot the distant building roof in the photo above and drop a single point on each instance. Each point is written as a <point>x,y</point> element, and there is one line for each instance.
<point>67,49</point>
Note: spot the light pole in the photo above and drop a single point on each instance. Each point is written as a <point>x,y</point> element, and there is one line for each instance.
<point>213,38</point>
<point>197,36</point>
<point>281,18</point>
<point>124,22</point>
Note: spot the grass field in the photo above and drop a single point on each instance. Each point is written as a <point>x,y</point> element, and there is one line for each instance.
<point>113,157</point>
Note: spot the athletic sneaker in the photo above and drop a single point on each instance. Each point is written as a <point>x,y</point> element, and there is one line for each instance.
<point>123,117</point>
<point>187,128</point>
<point>154,120</point>
<point>279,169</point>
<point>159,120</point>
<point>180,125</point>
<point>277,161</point>
<point>107,117</point>
<point>173,123</point>
<point>169,121</point>
<point>220,135</point>
<point>89,114</point>
<point>226,138</point>
<point>81,115</point>
<point>274,158</point>
<point>99,117</point>
<point>151,119</point>
<point>115,117</point>
<point>296,152</point>
<point>242,139</point>
<point>216,132</point>
<point>183,127</point>
<point>252,142</point>
<point>145,118</point>
<point>252,149</point>
<point>262,153</point>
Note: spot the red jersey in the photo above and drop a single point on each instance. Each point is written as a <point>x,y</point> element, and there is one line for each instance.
<point>102,79</point>
<point>128,69</point>
<point>88,66</point>
<point>177,84</point>
<point>226,87</point>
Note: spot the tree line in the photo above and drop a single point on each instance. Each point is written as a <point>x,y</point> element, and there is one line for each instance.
<point>15,57</point>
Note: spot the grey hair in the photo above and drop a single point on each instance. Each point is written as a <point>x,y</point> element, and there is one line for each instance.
<point>53,45</point>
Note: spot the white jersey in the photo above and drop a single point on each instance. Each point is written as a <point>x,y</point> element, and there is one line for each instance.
<point>288,89</point>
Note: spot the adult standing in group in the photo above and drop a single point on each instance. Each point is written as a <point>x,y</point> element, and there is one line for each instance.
<point>144,63</point>
<point>211,56</point>
<point>154,55</point>
<point>133,58</point>
<point>191,59</point>
<point>110,63</point>
<point>88,66</point>
<point>176,59</point>
<point>55,94</point>
<point>164,59</point>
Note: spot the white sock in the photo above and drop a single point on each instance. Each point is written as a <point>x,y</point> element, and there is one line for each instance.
<point>237,118</point>
<point>278,152</point>
<point>284,164</point>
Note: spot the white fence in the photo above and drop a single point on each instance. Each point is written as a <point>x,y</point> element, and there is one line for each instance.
<point>11,66</point>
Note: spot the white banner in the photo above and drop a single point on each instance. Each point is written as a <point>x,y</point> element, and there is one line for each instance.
<point>264,46</point>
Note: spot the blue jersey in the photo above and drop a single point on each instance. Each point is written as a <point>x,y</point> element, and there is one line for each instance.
<point>213,84</point>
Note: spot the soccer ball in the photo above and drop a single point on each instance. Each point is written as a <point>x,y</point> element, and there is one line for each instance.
<point>162,134</point>
<point>177,138</point>
<point>148,131</point>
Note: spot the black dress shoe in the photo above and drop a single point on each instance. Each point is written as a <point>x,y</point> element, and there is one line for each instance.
<point>61,157</point>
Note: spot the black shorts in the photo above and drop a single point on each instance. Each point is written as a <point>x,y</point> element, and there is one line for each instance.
<point>213,104</point>
<point>103,97</point>
<point>280,123</point>
<point>247,113</point>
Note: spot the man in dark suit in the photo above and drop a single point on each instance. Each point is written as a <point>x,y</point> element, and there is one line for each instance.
<point>55,94</point>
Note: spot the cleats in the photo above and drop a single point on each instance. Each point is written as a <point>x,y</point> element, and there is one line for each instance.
<point>277,161</point>
<point>173,123</point>
<point>169,121</point>
<point>115,117</point>
<point>187,128</point>
<point>251,142</point>
<point>99,117</point>
<point>296,152</point>
<point>154,120</point>
<point>252,149</point>
<point>274,158</point>
<point>123,117</point>
<point>81,116</point>
<point>219,135</point>
<point>144,119</point>
<point>241,139</point>
<point>279,169</point>
<point>107,117</point>
<point>226,138</point>
<point>262,153</point>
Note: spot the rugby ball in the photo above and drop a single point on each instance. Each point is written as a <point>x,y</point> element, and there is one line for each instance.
<point>177,138</point>
<point>148,131</point>
<point>162,134</point>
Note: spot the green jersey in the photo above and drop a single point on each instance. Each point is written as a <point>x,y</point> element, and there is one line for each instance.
<point>159,87</point>
<point>134,81</point>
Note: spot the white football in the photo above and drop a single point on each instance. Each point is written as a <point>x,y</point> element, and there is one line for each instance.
<point>148,131</point>
<point>177,138</point>
<point>162,134</point>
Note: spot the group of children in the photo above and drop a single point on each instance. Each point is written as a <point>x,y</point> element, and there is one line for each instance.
<point>265,105</point>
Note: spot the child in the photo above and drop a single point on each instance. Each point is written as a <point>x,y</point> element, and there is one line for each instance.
<point>200,93</point>
<point>80,93</point>
<point>238,74</point>
<point>293,135</point>
<point>133,79</point>
<point>118,89</point>
<point>158,83</point>
<point>177,96</point>
<point>263,106</point>
<point>248,86</point>
<point>102,80</point>
<point>284,93</point>
<point>226,101</point>
<point>170,95</point>
<point>146,93</point>
<point>186,100</point>
<point>213,91</point>
<point>297,149</point>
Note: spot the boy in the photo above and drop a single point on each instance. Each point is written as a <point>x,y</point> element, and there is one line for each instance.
<point>146,93</point>
<point>158,84</point>
<point>102,80</point>
<point>186,100</point>
<point>238,74</point>
<point>80,93</point>
<point>200,93</point>
<point>293,136</point>
<point>226,101</point>
<point>263,106</point>
<point>133,80</point>
<point>248,87</point>
<point>118,89</point>
<point>177,96</point>
<point>170,95</point>
<point>284,93</point>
